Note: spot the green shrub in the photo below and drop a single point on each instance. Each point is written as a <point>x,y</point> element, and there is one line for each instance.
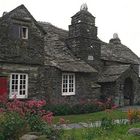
<point>59,109</point>
<point>12,126</point>
<point>66,109</point>
<point>35,123</point>
<point>107,123</point>
<point>19,117</point>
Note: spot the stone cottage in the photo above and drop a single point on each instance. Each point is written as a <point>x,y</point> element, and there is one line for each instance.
<point>39,60</point>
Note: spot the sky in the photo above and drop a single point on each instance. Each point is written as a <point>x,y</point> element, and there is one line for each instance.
<point>112,16</point>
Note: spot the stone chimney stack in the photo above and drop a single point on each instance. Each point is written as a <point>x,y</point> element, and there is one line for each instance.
<point>115,39</point>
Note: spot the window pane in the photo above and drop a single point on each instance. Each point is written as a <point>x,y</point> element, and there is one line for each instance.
<point>20,76</point>
<point>23,92</point>
<point>13,81</point>
<point>24,77</point>
<point>13,87</point>
<point>16,86</point>
<point>24,81</point>
<point>13,76</point>
<point>16,76</point>
<point>20,92</point>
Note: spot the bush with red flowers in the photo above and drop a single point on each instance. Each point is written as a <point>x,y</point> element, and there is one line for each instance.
<point>17,117</point>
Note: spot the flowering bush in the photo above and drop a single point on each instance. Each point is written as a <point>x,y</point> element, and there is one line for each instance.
<point>12,126</point>
<point>133,115</point>
<point>18,116</point>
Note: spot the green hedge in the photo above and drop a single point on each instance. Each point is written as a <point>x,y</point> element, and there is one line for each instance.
<point>66,109</point>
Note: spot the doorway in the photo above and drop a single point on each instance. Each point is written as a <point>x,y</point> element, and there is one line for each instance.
<point>128,92</point>
<point>3,86</point>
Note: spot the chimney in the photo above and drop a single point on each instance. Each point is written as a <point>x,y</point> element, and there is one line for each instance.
<point>115,39</point>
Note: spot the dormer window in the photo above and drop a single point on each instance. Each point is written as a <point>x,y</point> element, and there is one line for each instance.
<point>24,32</point>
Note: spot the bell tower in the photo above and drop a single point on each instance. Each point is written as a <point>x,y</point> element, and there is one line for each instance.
<point>83,40</point>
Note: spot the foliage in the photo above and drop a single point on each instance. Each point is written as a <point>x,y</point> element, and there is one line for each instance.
<point>83,106</point>
<point>133,115</point>
<point>12,126</point>
<point>17,117</point>
<point>119,132</point>
<point>59,109</point>
<point>107,123</point>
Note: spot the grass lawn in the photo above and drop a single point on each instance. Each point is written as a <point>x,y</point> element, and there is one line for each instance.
<point>115,114</point>
<point>115,132</point>
<point>118,132</point>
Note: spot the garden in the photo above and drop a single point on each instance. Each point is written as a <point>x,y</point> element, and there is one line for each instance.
<point>36,118</point>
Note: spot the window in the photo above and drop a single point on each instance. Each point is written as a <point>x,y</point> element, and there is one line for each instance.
<point>24,32</point>
<point>68,84</point>
<point>18,85</point>
<point>139,70</point>
<point>90,57</point>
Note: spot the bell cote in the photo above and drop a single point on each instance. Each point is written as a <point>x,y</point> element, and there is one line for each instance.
<point>83,24</point>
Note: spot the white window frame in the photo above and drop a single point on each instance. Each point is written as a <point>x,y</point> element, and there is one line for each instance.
<point>68,92</point>
<point>139,70</point>
<point>18,84</point>
<point>26,32</point>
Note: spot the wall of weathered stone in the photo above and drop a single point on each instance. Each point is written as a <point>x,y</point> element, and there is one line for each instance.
<point>83,87</point>
<point>34,85</point>
<point>116,88</point>
<point>134,77</point>
<point>83,48</point>
<point>18,50</point>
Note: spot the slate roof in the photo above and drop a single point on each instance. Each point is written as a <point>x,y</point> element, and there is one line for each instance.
<point>118,52</point>
<point>63,59</point>
<point>58,55</point>
<point>112,73</point>
<point>109,51</point>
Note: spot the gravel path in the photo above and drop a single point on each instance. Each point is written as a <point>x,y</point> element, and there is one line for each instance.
<point>125,108</point>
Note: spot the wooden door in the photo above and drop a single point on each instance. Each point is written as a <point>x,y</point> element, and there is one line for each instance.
<point>3,86</point>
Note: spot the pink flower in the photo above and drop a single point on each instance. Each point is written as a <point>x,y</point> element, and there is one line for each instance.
<point>30,103</point>
<point>62,120</point>
<point>114,106</point>
<point>48,118</point>
<point>1,110</point>
<point>40,103</point>
<point>3,99</point>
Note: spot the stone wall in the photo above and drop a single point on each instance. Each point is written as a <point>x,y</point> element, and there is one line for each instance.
<point>15,49</point>
<point>116,88</point>
<point>83,87</point>
<point>34,85</point>
<point>130,73</point>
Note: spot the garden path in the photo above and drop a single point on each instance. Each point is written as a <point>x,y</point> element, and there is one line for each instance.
<point>126,108</point>
<point>96,123</point>
<point>87,125</point>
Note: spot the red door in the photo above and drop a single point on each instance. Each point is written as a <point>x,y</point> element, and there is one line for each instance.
<point>3,86</point>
